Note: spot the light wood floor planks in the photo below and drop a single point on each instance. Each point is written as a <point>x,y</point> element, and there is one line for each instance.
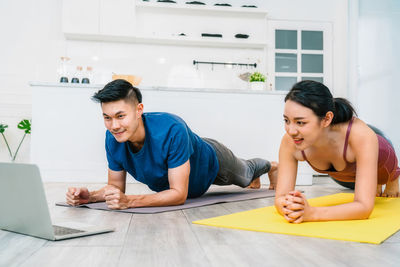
<point>170,239</point>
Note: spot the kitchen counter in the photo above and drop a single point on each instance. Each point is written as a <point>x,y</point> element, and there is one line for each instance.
<point>162,88</point>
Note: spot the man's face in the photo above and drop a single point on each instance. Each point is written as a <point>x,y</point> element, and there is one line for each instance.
<point>122,119</point>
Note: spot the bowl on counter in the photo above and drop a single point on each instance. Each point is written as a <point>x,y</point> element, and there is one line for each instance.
<point>134,80</point>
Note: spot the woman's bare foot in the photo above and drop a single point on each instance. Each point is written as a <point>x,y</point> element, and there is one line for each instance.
<point>391,189</point>
<point>255,184</point>
<point>273,175</point>
<point>379,190</point>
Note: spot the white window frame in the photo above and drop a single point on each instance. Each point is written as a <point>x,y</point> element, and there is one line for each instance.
<point>325,27</point>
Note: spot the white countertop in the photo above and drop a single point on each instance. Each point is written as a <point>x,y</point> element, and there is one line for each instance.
<point>160,88</point>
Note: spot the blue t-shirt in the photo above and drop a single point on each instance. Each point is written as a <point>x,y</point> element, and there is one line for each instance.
<point>169,143</point>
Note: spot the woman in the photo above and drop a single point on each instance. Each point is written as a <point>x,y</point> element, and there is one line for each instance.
<point>321,130</point>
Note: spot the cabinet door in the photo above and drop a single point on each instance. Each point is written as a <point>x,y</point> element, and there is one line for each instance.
<point>117,17</point>
<point>80,17</point>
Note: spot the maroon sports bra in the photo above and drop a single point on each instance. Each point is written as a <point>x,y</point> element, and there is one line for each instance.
<point>388,169</point>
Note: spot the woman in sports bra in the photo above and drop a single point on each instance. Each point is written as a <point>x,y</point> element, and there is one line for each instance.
<point>323,131</point>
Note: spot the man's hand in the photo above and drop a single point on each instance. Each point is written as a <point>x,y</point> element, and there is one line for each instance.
<point>77,196</point>
<point>115,198</point>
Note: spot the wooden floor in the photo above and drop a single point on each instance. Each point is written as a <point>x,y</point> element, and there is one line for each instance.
<point>170,239</point>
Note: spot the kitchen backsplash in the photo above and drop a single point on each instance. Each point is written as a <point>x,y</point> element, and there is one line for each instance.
<point>158,65</point>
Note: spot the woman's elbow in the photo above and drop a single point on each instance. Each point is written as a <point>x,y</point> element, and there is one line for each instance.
<point>366,214</point>
<point>366,211</point>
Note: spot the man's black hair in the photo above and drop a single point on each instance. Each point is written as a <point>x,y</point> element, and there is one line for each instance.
<point>118,90</point>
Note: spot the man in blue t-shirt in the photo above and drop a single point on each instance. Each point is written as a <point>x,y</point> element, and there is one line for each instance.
<point>159,150</point>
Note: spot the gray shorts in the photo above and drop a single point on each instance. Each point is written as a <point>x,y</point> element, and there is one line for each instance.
<point>233,170</point>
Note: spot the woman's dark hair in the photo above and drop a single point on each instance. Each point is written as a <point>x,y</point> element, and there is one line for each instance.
<point>117,90</point>
<point>317,97</point>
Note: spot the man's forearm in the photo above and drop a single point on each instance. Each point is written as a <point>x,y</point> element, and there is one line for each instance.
<point>170,197</point>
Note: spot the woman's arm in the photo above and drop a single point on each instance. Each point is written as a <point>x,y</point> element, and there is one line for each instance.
<point>286,173</point>
<point>363,144</point>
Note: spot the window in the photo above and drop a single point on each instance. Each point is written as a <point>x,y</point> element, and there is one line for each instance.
<point>299,51</point>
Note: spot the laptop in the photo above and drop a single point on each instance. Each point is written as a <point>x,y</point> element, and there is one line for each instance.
<point>24,208</point>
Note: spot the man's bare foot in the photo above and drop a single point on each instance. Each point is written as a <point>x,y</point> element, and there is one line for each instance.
<point>255,184</point>
<point>391,189</point>
<point>379,190</point>
<point>273,175</point>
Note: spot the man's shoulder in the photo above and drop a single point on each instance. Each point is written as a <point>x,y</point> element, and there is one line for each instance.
<point>163,119</point>
<point>162,116</point>
<point>162,125</point>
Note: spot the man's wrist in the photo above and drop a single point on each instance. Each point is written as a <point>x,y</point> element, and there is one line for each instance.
<point>95,196</point>
<point>92,198</point>
<point>134,201</point>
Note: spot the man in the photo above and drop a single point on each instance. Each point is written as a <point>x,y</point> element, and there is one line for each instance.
<point>159,150</point>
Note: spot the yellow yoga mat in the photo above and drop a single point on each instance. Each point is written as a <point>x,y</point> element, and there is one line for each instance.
<point>383,222</point>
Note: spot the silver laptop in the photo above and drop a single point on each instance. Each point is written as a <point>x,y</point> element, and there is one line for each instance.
<point>24,210</point>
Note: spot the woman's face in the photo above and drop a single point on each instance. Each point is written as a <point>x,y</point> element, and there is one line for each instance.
<point>301,124</point>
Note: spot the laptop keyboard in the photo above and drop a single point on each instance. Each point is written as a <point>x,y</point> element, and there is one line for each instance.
<point>59,230</point>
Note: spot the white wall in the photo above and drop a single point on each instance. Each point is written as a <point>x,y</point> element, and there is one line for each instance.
<point>32,43</point>
<point>378,56</point>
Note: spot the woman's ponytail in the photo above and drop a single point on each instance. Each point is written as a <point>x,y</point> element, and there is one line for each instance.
<point>344,111</point>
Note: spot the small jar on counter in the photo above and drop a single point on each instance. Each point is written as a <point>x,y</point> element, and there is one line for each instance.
<point>78,75</point>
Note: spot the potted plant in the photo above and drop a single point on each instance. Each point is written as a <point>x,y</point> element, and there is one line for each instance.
<point>257,81</point>
<point>24,125</point>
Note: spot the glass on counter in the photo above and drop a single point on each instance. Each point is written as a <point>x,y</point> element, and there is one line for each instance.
<point>63,70</point>
<point>88,75</point>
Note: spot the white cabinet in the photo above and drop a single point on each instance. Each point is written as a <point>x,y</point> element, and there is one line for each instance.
<point>80,17</point>
<point>97,19</point>
<point>165,23</point>
<point>117,17</point>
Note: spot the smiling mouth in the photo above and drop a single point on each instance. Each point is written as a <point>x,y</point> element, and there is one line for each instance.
<point>118,133</point>
<point>298,140</point>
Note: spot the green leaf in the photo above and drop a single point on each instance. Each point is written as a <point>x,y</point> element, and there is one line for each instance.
<point>257,77</point>
<point>3,128</point>
<point>25,125</point>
